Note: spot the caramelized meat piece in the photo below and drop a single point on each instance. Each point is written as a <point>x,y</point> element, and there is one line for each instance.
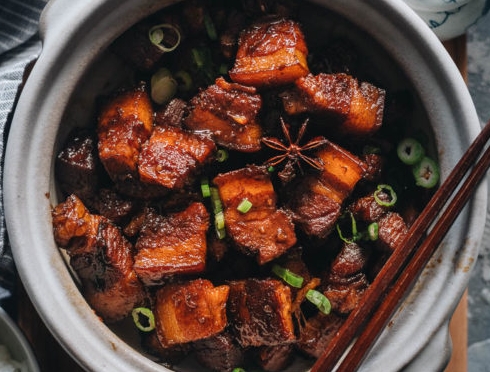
<point>101,257</point>
<point>171,114</point>
<point>114,206</point>
<point>270,53</point>
<point>359,106</point>
<point>315,211</point>
<point>275,358</point>
<point>168,356</point>
<point>264,230</point>
<point>229,113</point>
<point>219,353</point>
<point>346,281</point>
<point>125,123</point>
<point>260,312</point>
<point>174,244</point>
<point>317,333</point>
<point>368,209</point>
<point>392,231</point>
<point>171,156</point>
<point>190,311</point>
<point>318,199</point>
<point>78,166</point>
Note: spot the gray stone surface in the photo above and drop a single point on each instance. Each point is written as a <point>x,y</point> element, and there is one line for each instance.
<point>479,287</point>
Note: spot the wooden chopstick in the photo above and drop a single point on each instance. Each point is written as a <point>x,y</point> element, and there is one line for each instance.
<point>364,318</point>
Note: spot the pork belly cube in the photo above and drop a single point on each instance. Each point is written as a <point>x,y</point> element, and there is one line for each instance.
<point>102,258</point>
<point>392,231</point>
<point>320,197</point>
<point>172,155</point>
<point>124,124</point>
<point>316,208</point>
<point>229,113</point>
<point>275,358</point>
<point>190,311</point>
<point>341,169</point>
<point>317,333</point>
<point>219,353</point>
<point>346,281</point>
<point>78,166</point>
<point>264,231</point>
<point>358,105</point>
<point>270,53</point>
<point>174,244</point>
<point>260,312</point>
<point>368,209</point>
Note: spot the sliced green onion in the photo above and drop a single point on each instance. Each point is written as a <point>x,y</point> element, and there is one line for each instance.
<point>238,369</point>
<point>215,200</point>
<point>270,169</point>
<point>219,220</point>
<point>210,29</point>
<point>205,188</point>
<point>143,319</point>
<point>355,234</point>
<point>373,231</point>
<point>221,155</point>
<point>410,151</point>
<point>385,188</point>
<point>156,34</point>
<point>426,173</point>
<point>163,86</point>
<point>244,206</point>
<point>319,300</point>
<point>288,276</point>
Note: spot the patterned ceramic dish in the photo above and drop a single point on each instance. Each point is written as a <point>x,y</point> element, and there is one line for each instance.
<point>449,19</point>
<point>59,94</point>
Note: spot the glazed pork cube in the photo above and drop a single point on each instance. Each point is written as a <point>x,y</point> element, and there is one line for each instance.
<point>171,156</point>
<point>263,231</point>
<point>260,312</point>
<point>317,333</point>
<point>102,258</point>
<point>219,353</point>
<point>190,311</point>
<point>77,166</point>
<point>320,197</point>
<point>270,53</point>
<point>173,244</point>
<point>275,358</point>
<point>392,231</point>
<point>346,281</point>
<point>125,123</point>
<point>229,113</point>
<point>359,106</point>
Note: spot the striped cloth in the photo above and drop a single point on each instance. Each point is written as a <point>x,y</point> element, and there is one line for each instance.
<point>19,45</point>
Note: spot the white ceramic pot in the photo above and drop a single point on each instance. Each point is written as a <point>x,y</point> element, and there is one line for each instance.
<point>76,33</point>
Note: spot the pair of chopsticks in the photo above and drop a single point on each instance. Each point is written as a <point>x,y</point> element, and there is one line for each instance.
<point>371,315</point>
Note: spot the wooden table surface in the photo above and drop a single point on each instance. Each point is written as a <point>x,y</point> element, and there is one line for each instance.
<point>52,357</point>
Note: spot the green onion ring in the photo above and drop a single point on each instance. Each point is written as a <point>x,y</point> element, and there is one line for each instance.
<point>393,196</point>
<point>156,36</point>
<point>244,206</point>
<point>410,151</point>
<point>373,231</point>
<point>426,173</point>
<point>147,314</point>
<point>319,300</point>
<point>221,155</point>
<point>288,276</point>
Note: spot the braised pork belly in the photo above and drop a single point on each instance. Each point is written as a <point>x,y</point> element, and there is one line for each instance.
<point>264,231</point>
<point>101,256</point>
<point>243,217</point>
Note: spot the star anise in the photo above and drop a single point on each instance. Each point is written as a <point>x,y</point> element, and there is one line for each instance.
<point>293,152</point>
